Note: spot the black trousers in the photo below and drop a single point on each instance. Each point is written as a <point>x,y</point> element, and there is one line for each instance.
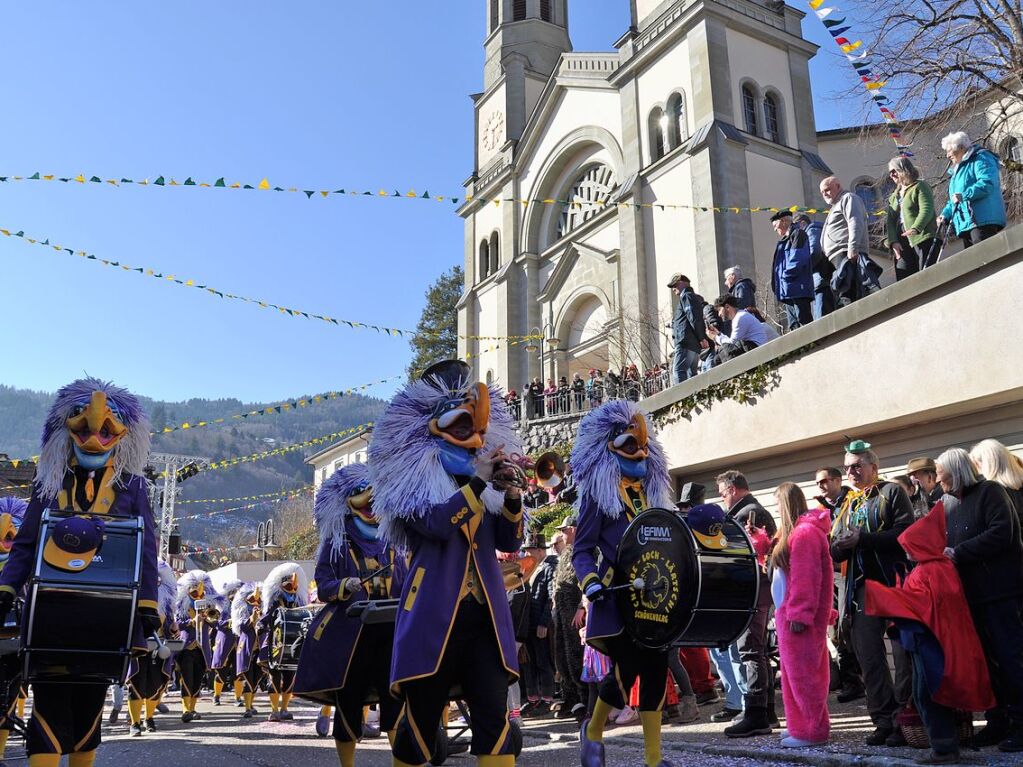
<point>939,721</point>
<point>148,681</point>
<point>909,262</point>
<point>539,673</point>
<point>252,675</point>
<point>472,661</point>
<point>281,681</point>
<point>1000,628</point>
<point>225,674</point>
<point>568,657</point>
<point>629,661</point>
<point>191,671</point>
<point>752,646</point>
<point>979,234</point>
<point>65,717</point>
<point>370,668</point>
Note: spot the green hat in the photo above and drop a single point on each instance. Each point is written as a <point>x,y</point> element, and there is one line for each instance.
<point>857,446</point>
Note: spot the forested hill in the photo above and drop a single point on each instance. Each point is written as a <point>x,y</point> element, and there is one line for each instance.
<point>22,413</point>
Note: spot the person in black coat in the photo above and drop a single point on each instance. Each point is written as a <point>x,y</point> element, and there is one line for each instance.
<point>687,328</point>
<point>539,674</point>
<point>984,541</point>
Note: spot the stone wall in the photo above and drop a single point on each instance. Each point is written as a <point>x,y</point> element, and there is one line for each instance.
<point>540,436</point>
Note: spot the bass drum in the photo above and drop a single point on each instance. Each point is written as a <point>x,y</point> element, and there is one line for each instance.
<point>683,586</point>
<point>287,634</point>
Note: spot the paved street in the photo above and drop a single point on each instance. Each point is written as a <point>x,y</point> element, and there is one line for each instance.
<point>224,739</point>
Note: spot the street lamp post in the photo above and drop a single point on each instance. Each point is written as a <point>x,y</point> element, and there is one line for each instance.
<point>265,538</point>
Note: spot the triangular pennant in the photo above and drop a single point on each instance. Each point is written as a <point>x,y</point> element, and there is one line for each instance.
<point>264,184</point>
<point>160,182</point>
<point>189,182</point>
<point>219,182</point>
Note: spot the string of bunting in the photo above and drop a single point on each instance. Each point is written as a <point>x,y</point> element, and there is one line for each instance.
<point>284,407</point>
<point>275,494</point>
<point>254,505</point>
<point>284,449</point>
<point>216,549</point>
<point>838,28</point>
<point>190,283</point>
<point>410,195</point>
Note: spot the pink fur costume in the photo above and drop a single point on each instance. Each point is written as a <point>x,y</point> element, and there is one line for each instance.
<point>809,589</point>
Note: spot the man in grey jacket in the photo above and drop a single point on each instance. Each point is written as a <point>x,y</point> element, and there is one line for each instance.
<point>846,241</point>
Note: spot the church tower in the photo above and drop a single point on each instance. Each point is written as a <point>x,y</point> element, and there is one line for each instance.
<point>525,40</point>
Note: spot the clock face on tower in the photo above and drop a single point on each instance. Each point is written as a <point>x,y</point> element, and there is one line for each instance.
<point>493,131</point>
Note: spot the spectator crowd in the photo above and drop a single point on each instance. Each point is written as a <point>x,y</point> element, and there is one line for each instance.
<point>905,592</point>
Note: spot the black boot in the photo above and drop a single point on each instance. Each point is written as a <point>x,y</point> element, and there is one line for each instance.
<point>993,733</point>
<point>772,717</point>
<point>753,722</point>
<point>1014,742</point>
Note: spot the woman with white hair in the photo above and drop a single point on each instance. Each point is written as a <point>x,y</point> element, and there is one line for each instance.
<point>984,543</point>
<point>910,226</point>
<point>975,207</point>
<point>994,461</point>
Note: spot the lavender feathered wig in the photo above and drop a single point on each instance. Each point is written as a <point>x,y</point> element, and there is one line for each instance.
<point>331,507</point>
<point>404,457</point>
<point>596,470</point>
<point>16,507</point>
<point>130,453</point>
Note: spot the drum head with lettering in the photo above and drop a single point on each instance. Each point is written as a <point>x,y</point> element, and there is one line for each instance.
<point>658,557</point>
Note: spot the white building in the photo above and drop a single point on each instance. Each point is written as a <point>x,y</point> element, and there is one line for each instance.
<point>353,449</point>
<point>704,103</point>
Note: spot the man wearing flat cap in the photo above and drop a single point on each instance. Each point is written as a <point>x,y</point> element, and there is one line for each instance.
<point>792,271</point>
<point>687,328</point>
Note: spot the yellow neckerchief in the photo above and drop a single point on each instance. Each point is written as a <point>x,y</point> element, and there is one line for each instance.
<point>102,501</point>
<point>633,496</point>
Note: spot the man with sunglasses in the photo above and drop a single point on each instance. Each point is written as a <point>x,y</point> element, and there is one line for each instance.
<point>865,536</point>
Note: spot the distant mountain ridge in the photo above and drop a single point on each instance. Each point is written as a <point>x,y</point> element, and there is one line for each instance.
<point>22,412</point>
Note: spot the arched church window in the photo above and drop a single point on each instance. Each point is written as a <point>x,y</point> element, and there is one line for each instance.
<point>484,259</point>
<point>658,129</point>
<point>1012,149</point>
<point>546,12</point>
<point>519,10</point>
<point>678,131</point>
<point>867,192</point>
<point>495,253</point>
<point>588,196</point>
<point>772,125</point>
<point>495,18</point>
<point>749,110</point>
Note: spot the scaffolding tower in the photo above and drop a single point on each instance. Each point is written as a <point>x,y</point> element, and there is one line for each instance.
<point>171,470</point>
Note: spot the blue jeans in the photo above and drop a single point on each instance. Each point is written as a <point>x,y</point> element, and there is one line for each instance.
<point>939,721</point>
<point>684,364</point>
<point>730,672</point>
<point>798,313</point>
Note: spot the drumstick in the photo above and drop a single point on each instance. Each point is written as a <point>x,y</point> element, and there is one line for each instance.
<point>371,576</point>
<point>637,585</point>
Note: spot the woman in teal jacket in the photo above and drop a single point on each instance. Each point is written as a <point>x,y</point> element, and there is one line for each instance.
<point>910,227</point>
<point>975,206</point>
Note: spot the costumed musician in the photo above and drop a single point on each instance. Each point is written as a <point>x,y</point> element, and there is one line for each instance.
<point>94,450</point>
<point>197,612</point>
<point>342,659</point>
<point>224,644</point>
<point>442,493</point>
<point>149,674</point>
<point>286,586</point>
<point>246,607</point>
<point>620,471</point>
<point>12,514</point>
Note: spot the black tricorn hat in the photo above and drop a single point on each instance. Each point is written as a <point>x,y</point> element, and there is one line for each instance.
<point>451,373</point>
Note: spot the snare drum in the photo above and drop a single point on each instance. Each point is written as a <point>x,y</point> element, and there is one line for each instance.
<point>78,625</point>
<point>287,633</point>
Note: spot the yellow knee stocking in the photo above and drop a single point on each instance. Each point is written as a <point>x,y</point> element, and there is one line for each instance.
<point>81,759</point>
<point>275,702</point>
<point>21,706</point>
<point>325,710</point>
<point>346,753</point>
<point>496,760</point>
<point>150,707</point>
<point>391,735</point>
<point>238,689</point>
<point>4,734</point>
<point>651,737</point>
<point>135,710</point>
<point>218,687</point>
<point>249,698</point>
<point>595,729</point>
<point>44,760</point>
<point>285,700</point>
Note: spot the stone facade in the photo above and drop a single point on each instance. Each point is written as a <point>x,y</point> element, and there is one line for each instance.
<point>703,102</point>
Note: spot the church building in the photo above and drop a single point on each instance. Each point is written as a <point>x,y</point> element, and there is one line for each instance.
<point>703,103</point>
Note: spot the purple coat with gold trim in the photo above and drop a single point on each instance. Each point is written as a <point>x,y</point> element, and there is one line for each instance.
<point>332,637</point>
<point>130,500</point>
<point>437,571</point>
<point>225,641</point>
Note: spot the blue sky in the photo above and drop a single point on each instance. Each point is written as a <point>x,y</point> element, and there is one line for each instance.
<point>313,94</point>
